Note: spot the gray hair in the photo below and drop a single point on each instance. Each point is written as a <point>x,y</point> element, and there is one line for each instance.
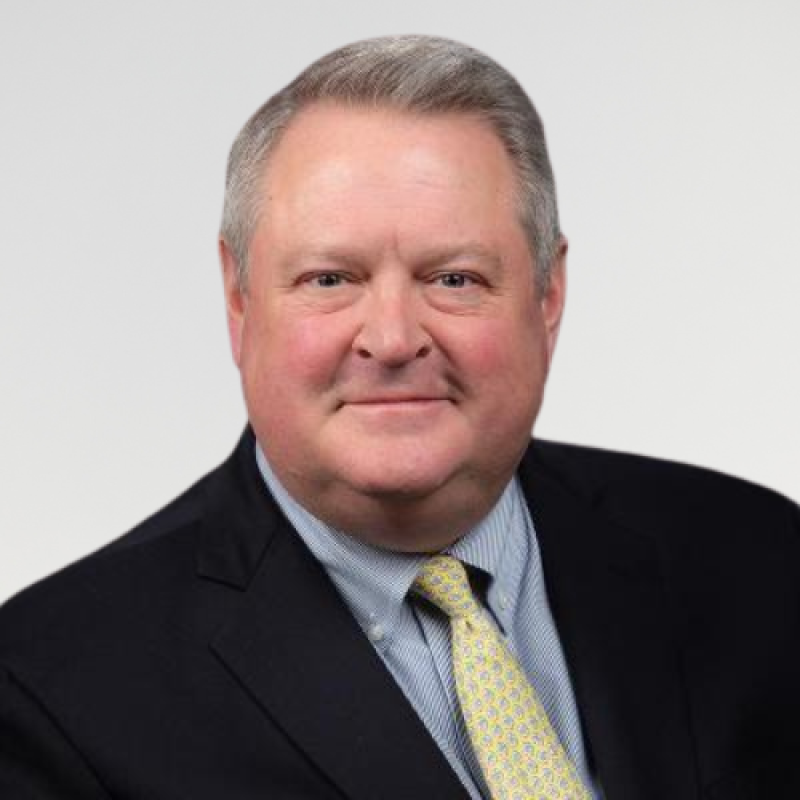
<point>417,74</point>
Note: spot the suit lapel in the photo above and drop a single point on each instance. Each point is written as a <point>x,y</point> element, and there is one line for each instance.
<point>297,650</point>
<point>610,608</point>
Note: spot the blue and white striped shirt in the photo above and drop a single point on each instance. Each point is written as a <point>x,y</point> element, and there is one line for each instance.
<point>413,639</point>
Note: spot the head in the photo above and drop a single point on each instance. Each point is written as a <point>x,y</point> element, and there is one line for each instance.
<point>394,279</point>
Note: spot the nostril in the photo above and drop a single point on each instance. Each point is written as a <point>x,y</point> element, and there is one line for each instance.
<point>363,352</point>
<point>425,350</point>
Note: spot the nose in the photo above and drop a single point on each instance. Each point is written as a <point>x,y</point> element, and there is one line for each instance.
<point>391,331</point>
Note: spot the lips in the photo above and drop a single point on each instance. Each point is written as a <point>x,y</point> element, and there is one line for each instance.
<point>393,400</point>
<point>387,395</point>
<point>396,407</point>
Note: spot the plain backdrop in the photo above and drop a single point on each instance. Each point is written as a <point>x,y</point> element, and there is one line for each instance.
<point>674,129</point>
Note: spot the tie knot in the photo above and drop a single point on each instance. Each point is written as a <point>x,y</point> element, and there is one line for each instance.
<point>443,580</point>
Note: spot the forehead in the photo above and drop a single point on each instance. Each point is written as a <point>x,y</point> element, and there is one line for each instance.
<point>384,137</point>
<point>379,170</point>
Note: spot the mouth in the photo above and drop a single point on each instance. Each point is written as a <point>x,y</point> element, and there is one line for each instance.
<point>405,404</point>
<point>386,401</point>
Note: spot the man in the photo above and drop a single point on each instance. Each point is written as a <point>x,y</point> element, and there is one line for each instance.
<point>394,280</point>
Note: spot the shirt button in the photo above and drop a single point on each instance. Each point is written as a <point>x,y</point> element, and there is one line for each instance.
<point>376,633</point>
<point>503,598</point>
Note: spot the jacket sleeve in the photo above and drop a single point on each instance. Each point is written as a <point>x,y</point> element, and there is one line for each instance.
<point>37,762</point>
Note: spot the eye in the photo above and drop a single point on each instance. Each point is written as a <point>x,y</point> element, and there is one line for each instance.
<point>454,280</point>
<point>326,280</point>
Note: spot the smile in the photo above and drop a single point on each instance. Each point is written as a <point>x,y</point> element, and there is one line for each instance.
<point>398,405</point>
<point>397,402</point>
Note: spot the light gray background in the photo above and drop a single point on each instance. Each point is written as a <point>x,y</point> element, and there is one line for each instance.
<point>674,131</point>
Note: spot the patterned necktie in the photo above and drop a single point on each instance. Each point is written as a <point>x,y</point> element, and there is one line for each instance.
<point>518,750</point>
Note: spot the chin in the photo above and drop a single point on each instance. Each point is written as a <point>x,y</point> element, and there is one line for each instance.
<point>398,483</point>
<point>389,474</point>
<point>400,490</point>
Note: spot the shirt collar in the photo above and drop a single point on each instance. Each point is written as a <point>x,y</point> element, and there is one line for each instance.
<point>374,582</point>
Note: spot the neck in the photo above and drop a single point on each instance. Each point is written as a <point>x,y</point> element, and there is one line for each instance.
<point>400,521</point>
<point>426,525</point>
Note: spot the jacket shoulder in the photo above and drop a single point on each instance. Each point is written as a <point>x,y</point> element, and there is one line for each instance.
<point>105,589</point>
<point>593,469</point>
<point>145,583</point>
<point>663,496</point>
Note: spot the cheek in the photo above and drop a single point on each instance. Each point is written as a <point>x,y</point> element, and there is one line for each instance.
<point>506,368</point>
<point>504,353</point>
<point>288,352</point>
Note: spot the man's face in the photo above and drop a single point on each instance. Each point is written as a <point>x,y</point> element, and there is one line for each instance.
<point>392,344</point>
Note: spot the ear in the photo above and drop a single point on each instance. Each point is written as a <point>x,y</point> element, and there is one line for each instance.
<point>554,296</point>
<point>235,301</point>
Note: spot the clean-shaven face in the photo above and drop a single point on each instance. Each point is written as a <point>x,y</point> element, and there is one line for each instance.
<point>392,344</point>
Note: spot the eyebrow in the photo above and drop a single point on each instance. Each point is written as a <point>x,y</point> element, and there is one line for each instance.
<point>426,257</point>
<point>469,250</point>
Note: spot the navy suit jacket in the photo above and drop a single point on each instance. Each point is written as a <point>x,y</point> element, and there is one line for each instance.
<point>206,654</point>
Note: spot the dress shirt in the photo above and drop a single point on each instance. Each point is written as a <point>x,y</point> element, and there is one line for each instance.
<point>413,638</point>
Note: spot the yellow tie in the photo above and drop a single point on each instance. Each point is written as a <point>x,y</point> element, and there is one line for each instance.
<point>517,748</point>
